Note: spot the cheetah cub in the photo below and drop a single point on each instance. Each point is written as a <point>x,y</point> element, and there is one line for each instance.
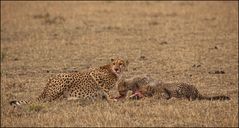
<point>145,86</point>
<point>92,84</point>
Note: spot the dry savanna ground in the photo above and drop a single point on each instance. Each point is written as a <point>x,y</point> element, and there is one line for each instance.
<point>193,42</point>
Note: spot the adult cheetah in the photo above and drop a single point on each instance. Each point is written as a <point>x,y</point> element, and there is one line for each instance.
<point>145,86</point>
<point>91,84</point>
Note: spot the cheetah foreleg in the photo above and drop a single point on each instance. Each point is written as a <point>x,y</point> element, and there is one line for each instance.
<point>108,97</point>
<point>73,98</point>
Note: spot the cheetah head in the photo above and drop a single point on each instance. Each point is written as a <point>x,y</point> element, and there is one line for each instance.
<point>123,88</point>
<point>118,66</point>
<point>134,84</point>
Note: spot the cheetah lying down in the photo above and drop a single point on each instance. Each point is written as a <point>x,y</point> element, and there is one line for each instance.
<point>92,84</point>
<point>145,86</point>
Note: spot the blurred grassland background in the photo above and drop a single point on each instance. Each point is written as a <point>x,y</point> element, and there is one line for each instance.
<point>193,42</point>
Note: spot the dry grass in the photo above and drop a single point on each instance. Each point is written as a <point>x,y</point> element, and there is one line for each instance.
<point>172,41</point>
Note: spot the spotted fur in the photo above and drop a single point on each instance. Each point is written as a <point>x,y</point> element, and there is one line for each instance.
<point>91,85</point>
<point>146,86</point>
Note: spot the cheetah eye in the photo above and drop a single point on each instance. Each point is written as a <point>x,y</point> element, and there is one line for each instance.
<point>120,63</point>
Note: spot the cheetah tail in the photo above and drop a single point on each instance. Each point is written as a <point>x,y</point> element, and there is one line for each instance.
<point>15,103</point>
<point>221,97</point>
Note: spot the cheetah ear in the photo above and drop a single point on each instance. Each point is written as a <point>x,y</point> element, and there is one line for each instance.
<point>112,59</point>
